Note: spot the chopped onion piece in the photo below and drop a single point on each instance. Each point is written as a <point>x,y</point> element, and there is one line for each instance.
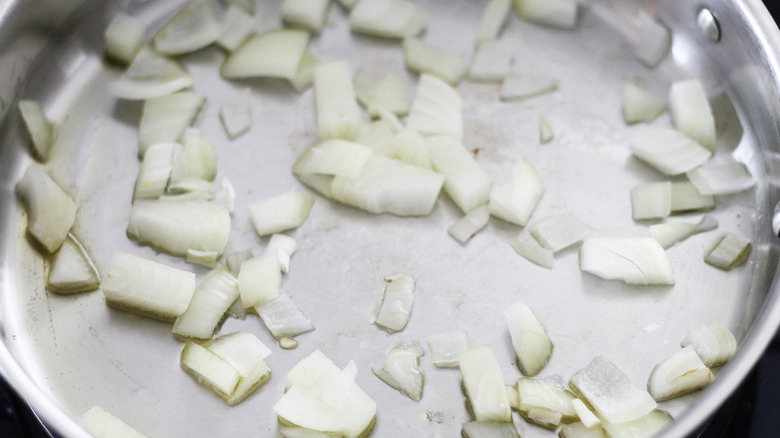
<point>50,211</point>
<point>242,350</point>
<point>517,86</point>
<point>236,259</point>
<point>237,310</point>
<point>532,252</point>
<point>194,27</point>
<point>378,136</point>
<point>308,14</point>
<point>124,38</point>
<point>150,75</point>
<point>274,54</point>
<point>446,348</point>
<point>529,339</point>
<point>155,171</point>
<point>555,13</point>
<point>319,183</point>
<point>396,303</point>
<point>304,77</point>
<point>484,384</point>
<point>634,260</point>
<point>579,430</point>
<point>493,19</point>
<point>209,369</point>
<point>679,374</point>
<point>333,157</point>
<point>390,94</point>
<point>71,270</point>
<point>338,114</point>
<point>610,392</point>
<point>651,201</point>
<point>538,396</point>
<point>424,58</point>
<point>488,429</point>
<point>206,311</point>
<point>190,186</point>
<point>147,288</point>
<point>639,105</point>
<point>365,86</point>
<point>236,114</point>
<point>516,197</point>
<point>285,247</point>
<point>470,224</point>
<point>647,426</point>
<point>204,258</point>
<point>391,119</point>
<point>544,417</point>
<point>559,232</point>
<point>102,424</point>
<point>401,370</point>
<point>38,126</point>
<point>728,252</point>
<point>655,40</point>
<point>196,159</point>
<point>237,27</point>
<point>464,180</point>
<point>669,233</point>
<point>283,318</point>
<point>388,18</point>
<point>436,109</point>
<point>280,213</point>
<point>721,179</point>
<point>259,279</point>
<point>545,132</point>
<point>714,344</point>
<point>288,343</point>
<point>668,151</point>
<point>686,198</point>
<point>225,195</point>
<point>164,119</point>
<point>249,384</point>
<point>175,227</point>
<point>409,147</point>
<point>492,61</point>
<point>691,112</point>
<point>586,416</point>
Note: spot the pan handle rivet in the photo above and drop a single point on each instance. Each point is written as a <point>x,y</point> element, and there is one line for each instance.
<point>708,25</point>
<point>776,220</point>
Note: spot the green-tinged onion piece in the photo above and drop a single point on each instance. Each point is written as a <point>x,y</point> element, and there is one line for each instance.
<point>728,252</point>
<point>274,54</point>
<point>715,344</point>
<point>646,426</point>
<point>651,200</point>
<point>484,384</point>
<point>691,112</point>
<point>388,18</point>
<point>150,75</point>
<point>529,339</point>
<point>308,14</point>
<point>668,151</point>
<point>492,61</point>
<point>237,26</point>
<point>545,132</point>
<point>538,255</point>
<point>280,213</point>
<point>639,105</point>
<point>469,224</point>
<point>50,211</point>
<point>101,424</point>
<point>518,87</point>
<point>669,233</point>
<point>164,119</point>
<point>124,38</point>
<point>155,171</point>
<point>396,303</point>
<point>71,270</point>
<point>436,109</point>
<point>681,373</point>
<point>516,197</point>
<point>236,114</point>
<point>282,317</point>
<point>38,126</point>
<point>446,348</point>
<point>465,181</point>
<point>489,429</point>
<point>493,19</point>
<point>424,58</point>
<point>554,13</point>
<point>655,40</point>
<point>194,27</point>
<point>401,370</point>
<point>208,305</point>
<point>559,232</point>
<point>338,113</point>
<point>579,430</point>
<point>543,402</point>
<point>635,260</point>
<point>259,279</point>
<point>304,76</point>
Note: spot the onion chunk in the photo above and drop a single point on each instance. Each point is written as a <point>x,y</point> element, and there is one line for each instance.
<point>274,54</point>
<point>559,232</point>
<point>493,19</point>
<point>285,247</point>
<point>728,252</point>
<point>669,233</point>
<point>517,86</point>
<point>635,260</point>
<point>655,40</point>
<point>150,75</point>
<point>579,430</point>
<point>259,279</point>
<point>71,270</point>
<point>155,171</point>
<point>396,303</point>
<point>206,310</point>
<point>529,339</point>
<point>237,27</point>
<point>283,318</point>
<point>515,198</point>
<point>388,18</point>
<point>333,157</point>
<point>401,370</point>
<point>446,348</point>
<point>308,14</point>
<point>668,151</point>
<point>422,57</point>
<point>194,27</point>
<point>164,119</point>
<point>236,114</point>
<point>686,197</point>
<point>484,384</point>
<point>50,211</point>
<point>691,112</point>
<point>465,181</point>
<point>124,38</point>
<point>555,13</point>
<point>492,61</point>
<point>679,374</point>
<point>338,114</point>
<point>280,213</point>
<point>102,424</point>
<point>542,396</point>
<point>304,77</point>
<point>38,126</point>
<point>714,344</point>
<point>651,201</point>
<point>436,109</point>
<point>532,252</point>
<point>646,426</point>
<point>639,105</point>
<point>721,179</point>
<point>469,224</point>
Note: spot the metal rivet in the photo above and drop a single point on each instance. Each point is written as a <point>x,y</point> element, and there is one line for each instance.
<point>776,220</point>
<point>709,25</point>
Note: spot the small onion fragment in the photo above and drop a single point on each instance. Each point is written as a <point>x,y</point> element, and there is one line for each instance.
<point>304,77</point>
<point>274,54</point>
<point>422,57</point>
<point>722,179</point>
<point>203,258</point>
<point>150,75</point>
<point>539,396</point>
<point>236,114</point>
<point>194,27</point>
<point>484,384</point>
<point>259,279</point>
<point>646,426</point>
<point>225,195</point>
<point>155,171</point>
<point>209,369</point>
<point>655,40</point>
<point>164,119</point>
<point>388,18</point>
<point>516,197</point>
<point>283,318</point>
<point>211,299</point>
<point>691,112</point>
<point>285,247</point>
<point>634,260</point>
<point>465,181</point>
<point>237,26</point>
<point>234,260</point>
<point>715,344</point>
<point>390,94</point>
<point>545,132</point>
<point>71,270</point>
<point>396,303</point>
<point>38,126</point>
<point>554,13</point>
<point>469,224</point>
<point>409,146</point>
<point>651,201</point>
<point>489,429</point>
<point>242,350</point>
<point>196,159</point>
<point>333,157</point>
<point>728,252</point>
<point>681,373</point>
<point>308,14</point>
<point>280,213</point>
<point>579,430</point>
<point>436,109</point>
<point>401,370</point>
<point>101,424</point>
<point>529,339</point>
<point>493,19</point>
<point>124,38</point>
<point>639,105</point>
<point>668,151</point>
<point>586,416</point>
<point>446,348</point>
<point>532,252</point>
<point>517,86</point>
<point>686,197</point>
<point>50,211</point>
<point>492,61</point>
<point>559,232</point>
<point>338,113</point>
<point>667,234</point>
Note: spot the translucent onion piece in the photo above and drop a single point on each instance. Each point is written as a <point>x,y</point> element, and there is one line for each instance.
<point>396,303</point>
<point>446,348</point>
<point>668,151</point>
<point>206,311</point>
<point>237,26</point>
<point>365,86</point>
<point>280,213</point>
<point>124,38</point>
<point>194,27</point>
<point>424,58</point>
<point>518,87</point>
<point>388,18</point>
<point>338,114</point>
<point>236,259</point>
<point>150,75</point>
<point>390,94</point>
<point>464,180</point>
<point>646,426</point>
<point>667,234</point>
<point>579,430</point>
<point>285,247</point>
<point>555,13</point>
<point>146,287</point>
<point>721,179</point>
<point>532,252</point>
<point>175,227</point>
<point>259,279</point>
<point>288,343</point>
<point>532,346</point>
<point>436,109</point>
<point>196,159</point>
<point>165,119</point>
<point>308,14</point>
<point>469,224</point>
<point>390,118</point>
<point>249,384</point>
<point>274,54</point>
<point>209,369</point>
<point>714,344</point>
<point>686,197</point>
<point>610,392</point>
<point>484,384</point>
<point>297,432</point>
<point>401,370</point>
<point>236,114</point>
<point>71,270</point>
<point>377,135</point>
<point>408,146</point>
<point>493,19</point>
<point>651,201</point>
<point>639,105</point>
<point>728,252</point>
<point>304,77</point>
<point>634,260</point>
<point>544,417</point>
<point>283,318</point>
<point>155,171</point>
<point>545,132</point>
<point>333,157</point>
<point>204,258</point>
<point>102,424</point>
<point>487,429</point>
<point>225,195</point>
<point>516,197</point>
<point>691,112</point>
<point>586,416</point>
<point>242,350</point>
<point>319,183</point>
<point>539,396</point>
<point>50,211</point>
<point>492,61</point>
<point>559,232</point>
<point>38,126</point>
<point>679,374</point>
<point>655,40</point>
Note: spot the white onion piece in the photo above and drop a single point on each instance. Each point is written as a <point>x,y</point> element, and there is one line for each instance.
<point>38,126</point>
<point>390,94</point>
<point>686,197</point>
<point>338,114</point>
<point>390,186</point>
<point>579,430</point>
<point>555,13</point>
<point>203,258</point>
<point>191,186</point>
<point>493,19</point>
<point>668,151</point>
<point>728,252</point>
<point>545,132</point>
<point>647,426</point>
<point>155,171</point>
<point>586,416</point>
<point>722,179</point>
<point>484,384</point>
<point>667,234</point>
<point>691,112</point>
<point>175,227</point>
<point>492,61</point>
<point>639,105</point>
<point>559,232</point>
<point>391,119</point>
<point>424,58</point>
<point>304,77</point>
<point>681,373</point>
<point>150,75</point>
<point>512,396</point>
<point>236,114</point>
<point>516,197</point>
<point>297,432</point>
<point>333,157</point>
<point>365,86</point>
<point>517,86</point>
<point>634,260</point>
<point>397,303</point>
<point>225,195</point>
<point>469,224</point>
<point>388,18</point>
<point>283,318</point>
<point>529,339</point>
<point>319,183</point>
<point>206,310</point>
<point>436,109</point>
<point>532,252</point>
<point>237,310</point>
<point>465,181</point>
<point>715,344</point>
<point>655,40</point>
<point>209,369</point>
<point>651,200</point>
<point>237,26</point>
<point>124,38</point>
<point>348,4</point>
<point>146,287</point>
<point>401,370</point>
<point>489,429</point>
<point>288,343</point>
<point>194,27</point>
<point>50,211</point>
<point>285,247</point>
<point>71,270</point>
<point>274,54</point>
<point>259,279</point>
<point>242,350</point>
<point>409,146</point>
<point>164,119</point>
<point>234,260</point>
<point>308,14</point>
<point>249,384</point>
<point>539,396</point>
<point>280,213</point>
<point>102,424</point>
<point>446,348</point>
<point>377,135</point>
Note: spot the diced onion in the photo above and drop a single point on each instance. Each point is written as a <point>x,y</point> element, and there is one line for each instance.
<point>555,13</point>
<point>396,303</point>
<point>446,348</point>
<point>203,258</point>
<point>492,61</point>
<point>579,430</point>
<point>586,416</point>
<point>634,260</point>
<point>489,429</point>
<point>102,424</point>
<point>517,86</point>
<point>715,344</point>
<point>237,27</point>
<point>422,58</point>
<point>390,94</point>
<point>209,369</point>
<point>211,299</point>
<point>308,14</point>
<point>71,270</point>
<point>651,201</point>
<point>539,397</point>
<point>721,179</point>
<point>236,114</point>
<point>249,384</point>
<point>401,370</point>
<point>691,112</point>
<point>280,213</point>
<point>493,19</point>
<point>259,279</point>
<point>545,132</point>
<point>529,339</point>
<point>236,259</point>
<point>667,234</point>
<point>668,151</point>
<point>728,252</point>
<point>285,247</point>
<point>516,197</point>
<point>649,425</point>
<point>436,109</point>
<point>225,195</point>
<point>377,135</point>
<point>124,38</point>
<point>333,157</point>
<point>274,54</point>
<point>655,40</point>
<point>639,105</point>
<point>288,344</point>
<point>469,224</point>
<point>559,232</point>
<point>155,171</point>
<point>50,211</point>
<point>465,181</point>
<point>338,114</point>
<point>484,384</point>
<point>409,146</point>
<point>164,119</point>
<point>283,318</point>
<point>679,374</point>
<point>304,76</point>
<point>194,27</point>
<point>242,350</point>
<point>150,75</point>
<point>38,126</point>
<point>532,252</point>
<point>686,198</point>
<point>388,18</point>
